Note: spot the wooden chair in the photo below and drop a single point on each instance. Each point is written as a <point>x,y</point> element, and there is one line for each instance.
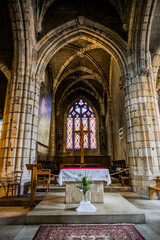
<point>44,176</point>
<point>16,182</point>
<point>154,189</point>
<point>124,178</point>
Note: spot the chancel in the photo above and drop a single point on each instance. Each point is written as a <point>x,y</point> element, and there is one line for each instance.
<point>79,90</point>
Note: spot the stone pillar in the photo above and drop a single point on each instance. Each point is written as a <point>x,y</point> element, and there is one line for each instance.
<point>18,145</point>
<point>143,131</point>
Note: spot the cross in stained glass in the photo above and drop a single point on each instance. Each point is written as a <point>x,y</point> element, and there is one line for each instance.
<point>82,132</point>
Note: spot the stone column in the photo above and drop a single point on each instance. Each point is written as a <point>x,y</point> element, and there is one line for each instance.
<point>18,145</point>
<point>143,131</point>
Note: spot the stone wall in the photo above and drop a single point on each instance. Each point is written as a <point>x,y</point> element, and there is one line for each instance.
<point>119,120</point>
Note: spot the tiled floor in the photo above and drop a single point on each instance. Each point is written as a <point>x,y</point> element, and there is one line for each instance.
<point>16,215</point>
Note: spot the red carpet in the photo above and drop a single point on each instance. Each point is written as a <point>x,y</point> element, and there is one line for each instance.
<point>88,232</point>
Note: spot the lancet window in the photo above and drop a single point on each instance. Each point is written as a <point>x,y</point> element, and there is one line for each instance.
<point>81,113</point>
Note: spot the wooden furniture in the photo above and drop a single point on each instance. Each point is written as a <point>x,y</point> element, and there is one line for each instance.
<point>124,177</point>
<point>55,177</point>
<point>44,176</point>
<point>115,167</point>
<point>154,189</point>
<point>17,178</point>
<point>33,168</point>
<point>74,165</point>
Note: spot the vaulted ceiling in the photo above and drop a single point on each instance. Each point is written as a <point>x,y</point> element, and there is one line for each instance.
<point>80,68</point>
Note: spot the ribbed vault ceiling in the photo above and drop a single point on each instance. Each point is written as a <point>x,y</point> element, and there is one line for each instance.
<point>80,67</point>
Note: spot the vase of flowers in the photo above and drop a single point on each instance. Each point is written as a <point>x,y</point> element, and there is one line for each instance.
<point>84,185</point>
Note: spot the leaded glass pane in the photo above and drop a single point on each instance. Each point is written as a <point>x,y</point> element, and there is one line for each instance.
<point>77,136</point>
<point>85,127</point>
<point>93,142</point>
<point>77,109</point>
<point>73,113</point>
<point>79,113</point>
<point>81,102</point>
<point>83,110</point>
<point>69,133</point>
<point>71,110</point>
<point>90,109</point>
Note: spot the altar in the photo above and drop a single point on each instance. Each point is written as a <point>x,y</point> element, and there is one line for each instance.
<point>73,194</point>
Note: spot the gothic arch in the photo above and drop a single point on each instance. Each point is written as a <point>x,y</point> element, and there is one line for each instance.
<point>156,62</point>
<point>139,35</point>
<point>81,28</point>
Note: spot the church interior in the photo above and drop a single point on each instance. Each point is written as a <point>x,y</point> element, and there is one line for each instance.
<point>79,88</point>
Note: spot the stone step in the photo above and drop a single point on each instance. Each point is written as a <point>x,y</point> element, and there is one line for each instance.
<point>117,188</point>
<point>53,210</point>
<point>114,187</point>
<point>22,200</point>
<point>114,180</point>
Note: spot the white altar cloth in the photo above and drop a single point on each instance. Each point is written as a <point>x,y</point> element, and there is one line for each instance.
<point>94,174</point>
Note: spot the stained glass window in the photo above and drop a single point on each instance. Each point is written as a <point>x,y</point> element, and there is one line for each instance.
<point>69,133</point>
<point>0,126</point>
<point>81,113</point>
<point>76,136</point>
<point>93,144</point>
<point>85,127</point>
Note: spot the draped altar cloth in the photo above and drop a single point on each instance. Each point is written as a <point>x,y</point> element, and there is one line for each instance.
<point>94,174</point>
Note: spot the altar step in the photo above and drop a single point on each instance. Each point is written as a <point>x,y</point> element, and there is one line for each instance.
<point>117,187</point>
<point>53,210</point>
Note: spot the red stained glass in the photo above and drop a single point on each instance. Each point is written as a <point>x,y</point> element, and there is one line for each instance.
<point>85,127</point>
<point>93,142</point>
<point>77,136</point>
<point>69,133</point>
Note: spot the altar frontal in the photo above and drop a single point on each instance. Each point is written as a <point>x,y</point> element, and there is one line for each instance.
<point>98,175</point>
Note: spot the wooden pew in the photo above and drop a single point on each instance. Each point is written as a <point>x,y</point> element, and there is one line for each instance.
<point>154,189</point>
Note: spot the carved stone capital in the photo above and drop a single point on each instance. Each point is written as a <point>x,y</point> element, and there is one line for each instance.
<point>123,80</point>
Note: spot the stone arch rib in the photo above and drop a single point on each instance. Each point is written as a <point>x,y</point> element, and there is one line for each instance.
<point>88,30</point>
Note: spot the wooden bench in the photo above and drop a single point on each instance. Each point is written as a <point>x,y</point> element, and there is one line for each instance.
<point>154,189</point>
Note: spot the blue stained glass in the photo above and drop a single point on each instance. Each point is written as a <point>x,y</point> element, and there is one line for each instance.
<point>78,110</point>
<point>83,110</point>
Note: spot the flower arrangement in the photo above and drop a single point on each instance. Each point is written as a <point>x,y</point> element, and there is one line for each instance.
<point>84,186</point>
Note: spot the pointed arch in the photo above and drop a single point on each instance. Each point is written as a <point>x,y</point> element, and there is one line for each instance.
<point>76,29</point>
